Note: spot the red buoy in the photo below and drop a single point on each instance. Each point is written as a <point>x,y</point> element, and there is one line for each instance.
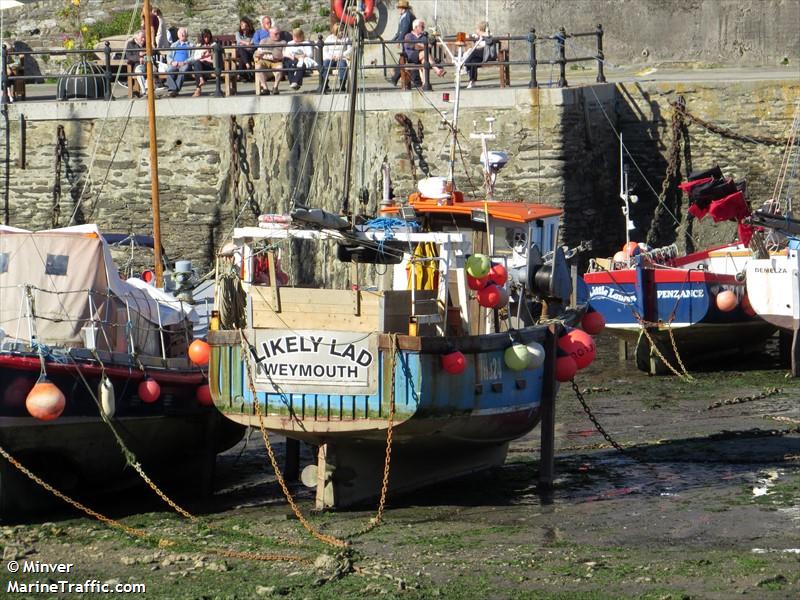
<point>593,322</point>
<point>726,300</point>
<point>199,352</point>
<point>204,396</point>
<point>45,401</point>
<point>489,296</point>
<point>498,274</point>
<point>149,390</point>
<point>565,368</point>
<point>477,283</point>
<point>17,391</point>
<point>454,363</point>
<point>579,345</point>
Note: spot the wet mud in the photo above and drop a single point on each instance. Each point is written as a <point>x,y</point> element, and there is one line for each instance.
<point>703,501</point>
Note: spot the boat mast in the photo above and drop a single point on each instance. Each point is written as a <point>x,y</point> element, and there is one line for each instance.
<point>358,44</point>
<point>151,115</point>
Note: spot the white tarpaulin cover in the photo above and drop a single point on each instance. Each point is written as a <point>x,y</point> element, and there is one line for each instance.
<point>67,279</point>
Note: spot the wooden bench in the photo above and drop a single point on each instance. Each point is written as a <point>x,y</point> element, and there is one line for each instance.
<point>117,45</point>
<point>503,58</point>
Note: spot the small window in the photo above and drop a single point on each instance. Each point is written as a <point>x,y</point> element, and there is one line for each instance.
<point>3,262</point>
<point>56,264</point>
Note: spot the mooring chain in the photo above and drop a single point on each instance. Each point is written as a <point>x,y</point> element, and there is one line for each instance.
<point>627,452</point>
<point>672,169</point>
<point>680,107</point>
<point>413,142</point>
<point>742,399</point>
<point>241,166</point>
<point>60,151</point>
<point>644,324</point>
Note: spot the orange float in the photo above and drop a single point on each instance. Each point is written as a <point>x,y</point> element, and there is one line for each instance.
<point>726,301</point>
<point>339,5</point>
<point>45,401</point>
<point>199,352</point>
<point>149,390</point>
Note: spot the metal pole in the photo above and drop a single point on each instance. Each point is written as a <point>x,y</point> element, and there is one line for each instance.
<point>358,44</point>
<point>532,58</point>
<point>427,64</point>
<point>216,48</point>
<point>107,58</point>
<point>548,411</point>
<point>151,114</point>
<point>601,77</point>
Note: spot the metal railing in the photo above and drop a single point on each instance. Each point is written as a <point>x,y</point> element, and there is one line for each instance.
<point>113,61</point>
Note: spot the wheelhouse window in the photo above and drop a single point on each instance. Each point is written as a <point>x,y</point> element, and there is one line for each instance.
<point>3,262</point>
<point>56,264</point>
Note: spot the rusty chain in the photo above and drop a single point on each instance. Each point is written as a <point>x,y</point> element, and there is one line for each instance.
<point>60,152</point>
<point>742,399</point>
<point>413,142</point>
<point>680,107</point>
<point>596,423</point>
<point>240,166</point>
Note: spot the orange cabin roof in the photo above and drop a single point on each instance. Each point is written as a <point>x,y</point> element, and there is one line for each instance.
<point>519,212</point>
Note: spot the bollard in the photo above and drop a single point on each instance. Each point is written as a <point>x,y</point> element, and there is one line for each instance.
<point>107,60</point>
<point>601,77</point>
<point>561,40</point>
<point>216,48</point>
<point>533,83</point>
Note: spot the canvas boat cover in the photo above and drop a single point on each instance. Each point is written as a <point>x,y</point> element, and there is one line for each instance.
<point>67,279</point>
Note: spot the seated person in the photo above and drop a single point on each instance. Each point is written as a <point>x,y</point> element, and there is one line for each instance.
<point>135,51</point>
<point>298,57</point>
<point>244,56</point>
<point>202,61</point>
<point>269,56</point>
<point>417,53</point>
<point>334,54</point>
<point>179,62</point>
<point>13,67</point>
<point>485,50</point>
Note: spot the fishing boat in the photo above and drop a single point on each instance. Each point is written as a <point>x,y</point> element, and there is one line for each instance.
<point>96,381</point>
<point>773,287</point>
<point>678,309</point>
<point>422,374</point>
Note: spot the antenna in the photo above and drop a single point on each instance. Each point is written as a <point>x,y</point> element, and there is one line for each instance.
<point>492,161</point>
<point>625,196</point>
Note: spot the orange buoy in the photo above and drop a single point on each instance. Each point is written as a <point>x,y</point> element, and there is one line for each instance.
<point>593,322</point>
<point>747,307</point>
<point>726,301</point>
<point>199,352</point>
<point>489,296</point>
<point>631,249</point>
<point>454,363</point>
<point>45,401</point>
<point>619,257</point>
<point>204,395</point>
<point>565,368</point>
<point>579,345</point>
<point>149,390</point>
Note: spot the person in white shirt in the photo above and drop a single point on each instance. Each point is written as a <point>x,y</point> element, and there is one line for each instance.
<point>298,58</point>
<point>335,52</point>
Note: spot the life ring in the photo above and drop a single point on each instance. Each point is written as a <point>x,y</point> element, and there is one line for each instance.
<point>338,9</point>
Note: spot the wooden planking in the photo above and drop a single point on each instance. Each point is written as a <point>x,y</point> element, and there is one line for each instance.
<point>311,300</point>
<point>314,320</point>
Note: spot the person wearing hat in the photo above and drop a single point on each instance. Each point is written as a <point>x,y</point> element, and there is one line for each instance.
<point>298,57</point>
<point>403,28</point>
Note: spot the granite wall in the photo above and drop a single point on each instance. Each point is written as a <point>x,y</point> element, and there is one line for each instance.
<point>289,149</point>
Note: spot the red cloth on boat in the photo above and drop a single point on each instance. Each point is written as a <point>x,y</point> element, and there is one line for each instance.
<point>687,186</point>
<point>730,208</point>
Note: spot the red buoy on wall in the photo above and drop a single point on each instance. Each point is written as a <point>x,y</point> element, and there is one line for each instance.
<point>199,352</point>
<point>45,401</point>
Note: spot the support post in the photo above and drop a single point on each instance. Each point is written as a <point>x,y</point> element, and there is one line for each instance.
<point>216,48</point>
<point>601,77</point>
<point>318,57</point>
<point>547,411</point>
<point>291,463</point>
<point>561,41</point>
<point>533,83</point>
<point>107,61</point>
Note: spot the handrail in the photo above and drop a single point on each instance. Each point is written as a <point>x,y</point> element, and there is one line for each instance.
<point>531,39</point>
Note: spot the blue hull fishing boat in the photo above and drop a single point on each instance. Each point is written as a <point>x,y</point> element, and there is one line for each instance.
<point>421,374</point>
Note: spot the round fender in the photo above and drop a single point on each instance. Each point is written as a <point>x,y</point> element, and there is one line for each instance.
<point>338,9</point>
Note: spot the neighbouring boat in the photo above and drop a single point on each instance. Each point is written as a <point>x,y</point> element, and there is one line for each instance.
<point>427,372</point>
<point>115,350</point>
<point>773,277</point>
<point>681,310</point>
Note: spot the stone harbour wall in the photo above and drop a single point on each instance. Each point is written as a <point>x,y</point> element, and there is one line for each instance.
<point>290,149</point>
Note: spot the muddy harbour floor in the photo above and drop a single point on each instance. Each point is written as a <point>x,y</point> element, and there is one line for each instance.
<point>704,503</point>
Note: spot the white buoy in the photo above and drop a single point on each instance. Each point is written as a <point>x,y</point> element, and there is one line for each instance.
<point>106,393</point>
